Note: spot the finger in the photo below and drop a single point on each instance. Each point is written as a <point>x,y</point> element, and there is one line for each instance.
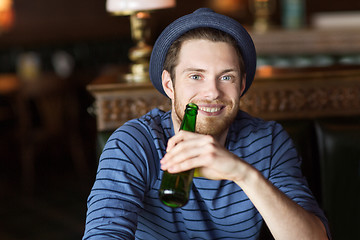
<point>178,155</point>
<point>179,159</point>
<point>179,137</point>
<point>184,150</point>
<point>182,166</point>
<point>193,139</point>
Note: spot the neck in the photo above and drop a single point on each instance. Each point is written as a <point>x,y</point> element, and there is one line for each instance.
<point>222,138</point>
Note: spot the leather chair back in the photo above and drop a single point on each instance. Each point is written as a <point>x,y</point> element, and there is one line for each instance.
<point>339,151</point>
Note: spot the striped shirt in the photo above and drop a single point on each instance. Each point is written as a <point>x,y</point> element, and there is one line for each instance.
<point>124,203</point>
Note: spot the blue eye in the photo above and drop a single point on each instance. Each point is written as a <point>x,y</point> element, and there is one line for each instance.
<point>226,78</point>
<point>195,77</point>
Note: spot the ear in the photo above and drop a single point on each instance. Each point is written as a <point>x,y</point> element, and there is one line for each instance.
<point>242,85</point>
<point>167,84</point>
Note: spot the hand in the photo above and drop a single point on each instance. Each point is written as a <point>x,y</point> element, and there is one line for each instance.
<point>188,150</point>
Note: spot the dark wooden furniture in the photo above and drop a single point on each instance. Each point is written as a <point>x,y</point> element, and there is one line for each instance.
<point>275,95</point>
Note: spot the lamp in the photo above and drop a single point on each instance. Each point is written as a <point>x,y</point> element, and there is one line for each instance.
<point>6,15</point>
<point>139,11</point>
<point>232,8</point>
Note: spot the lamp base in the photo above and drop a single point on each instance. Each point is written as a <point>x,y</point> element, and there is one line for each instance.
<point>139,73</point>
<point>140,53</point>
<point>136,78</point>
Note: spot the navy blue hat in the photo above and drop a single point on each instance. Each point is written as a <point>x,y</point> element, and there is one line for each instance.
<point>203,17</point>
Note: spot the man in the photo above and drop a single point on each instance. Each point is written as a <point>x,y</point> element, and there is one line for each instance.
<point>249,168</point>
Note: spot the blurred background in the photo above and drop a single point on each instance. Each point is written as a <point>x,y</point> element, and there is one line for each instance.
<point>51,51</point>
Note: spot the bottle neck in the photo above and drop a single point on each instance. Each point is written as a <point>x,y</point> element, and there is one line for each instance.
<point>189,121</point>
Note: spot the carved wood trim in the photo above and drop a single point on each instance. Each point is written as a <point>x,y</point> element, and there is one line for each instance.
<point>303,101</point>
<point>115,108</point>
<point>304,95</point>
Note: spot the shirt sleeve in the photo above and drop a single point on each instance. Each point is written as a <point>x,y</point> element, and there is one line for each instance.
<point>286,174</point>
<point>121,182</point>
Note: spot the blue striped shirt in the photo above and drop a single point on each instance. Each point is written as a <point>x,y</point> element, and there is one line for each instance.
<point>124,203</point>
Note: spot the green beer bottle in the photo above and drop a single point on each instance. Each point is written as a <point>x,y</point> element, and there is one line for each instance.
<point>174,189</point>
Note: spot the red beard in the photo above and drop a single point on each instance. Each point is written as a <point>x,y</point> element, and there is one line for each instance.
<point>211,125</point>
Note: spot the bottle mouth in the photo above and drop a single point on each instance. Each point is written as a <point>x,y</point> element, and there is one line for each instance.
<point>192,107</point>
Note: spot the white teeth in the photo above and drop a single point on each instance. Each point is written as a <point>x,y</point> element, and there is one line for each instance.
<point>211,110</point>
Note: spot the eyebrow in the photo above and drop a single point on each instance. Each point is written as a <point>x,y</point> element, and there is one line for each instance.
<point>203,70</point>
<point>230,70</point>
<point>193,70</point>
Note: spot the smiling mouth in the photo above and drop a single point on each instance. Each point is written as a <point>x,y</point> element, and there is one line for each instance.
<point>210,109</point>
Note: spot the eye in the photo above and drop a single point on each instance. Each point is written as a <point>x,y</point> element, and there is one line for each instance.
<point>195,77</point>
<point>226,78</point>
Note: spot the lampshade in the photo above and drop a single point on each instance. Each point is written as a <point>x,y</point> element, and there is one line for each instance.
<point>124,7</point>
<point>6,14</point>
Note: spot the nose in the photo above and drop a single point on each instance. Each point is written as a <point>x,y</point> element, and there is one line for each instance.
<point>211,90</point>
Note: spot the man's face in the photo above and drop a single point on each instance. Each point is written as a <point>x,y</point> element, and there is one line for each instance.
<point>208,74</point>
